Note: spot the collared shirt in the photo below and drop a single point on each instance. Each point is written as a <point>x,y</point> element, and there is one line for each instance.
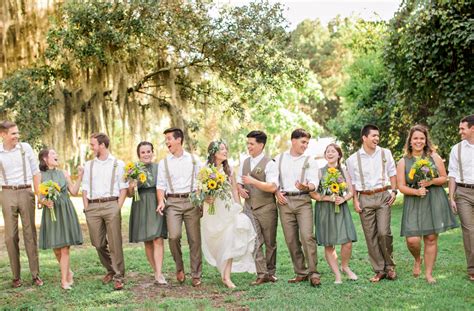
<point>291,168</point>
<point>180,170</point>
<point>467,158</point>
<point>371,168</point>
<point>102,177</point>
<point>13,165</point>
<point>271,170</point>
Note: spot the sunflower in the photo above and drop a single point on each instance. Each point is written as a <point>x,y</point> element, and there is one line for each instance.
<point>211,184</point>
<point>129,166</point>
<point>334,188</point>
<point>43,189</point>
<point>332,170</point>
<point>423,162</point>
<point>220,178</point>
<point>142,177</point>
<point>411,174</point>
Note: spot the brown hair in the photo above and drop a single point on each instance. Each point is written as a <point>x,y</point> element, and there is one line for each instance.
<point>469,120</point>
<point>177,133</point>
<point>102,139</point>
<point>42,163</point>
<point>298,133</point>
<point>211,158</point>
<point>6,125</point>
<point>339,151</point>
<point>428,149</point>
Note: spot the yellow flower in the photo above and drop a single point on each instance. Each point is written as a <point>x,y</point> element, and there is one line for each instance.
<point>423,162</point>
<point>332,170</point>
<point>142,177</point>
<point>220,178</point>
<point>57,187</point>
<point>343,185</point>
<point>335,188</point>
<point>129,166</point>
<point>211,184</point>
<point>43,189</point>
<point>411,174</point>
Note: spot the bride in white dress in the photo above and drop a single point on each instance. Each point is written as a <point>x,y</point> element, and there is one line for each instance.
<point>228,236</point>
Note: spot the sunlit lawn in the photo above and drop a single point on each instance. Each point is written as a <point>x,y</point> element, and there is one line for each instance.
<point>453,291</point>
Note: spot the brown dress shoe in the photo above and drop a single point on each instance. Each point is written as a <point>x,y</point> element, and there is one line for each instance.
<point>196,282</point>
<point>16,283</point>
<point>118,285</point>
<point>108,278</point>
<point>315,281</point>
<point>37,281</point>
<point>379,276</point>
<point>391,275</point>
<point>272,278</point>
<point>298,279</point>
<point>260,281</point>
<point>180,276</point>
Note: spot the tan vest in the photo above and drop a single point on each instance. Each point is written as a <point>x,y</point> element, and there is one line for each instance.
<point>257,198</point>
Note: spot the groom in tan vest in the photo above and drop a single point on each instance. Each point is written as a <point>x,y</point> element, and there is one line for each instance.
<point>257,182</point>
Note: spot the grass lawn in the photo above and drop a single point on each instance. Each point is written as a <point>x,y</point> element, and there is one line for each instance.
<point>453,290</point>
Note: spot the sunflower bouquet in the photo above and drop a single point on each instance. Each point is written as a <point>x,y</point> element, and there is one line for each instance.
<point>135,171</point>
<point>333,184</point>
<point>211,183</point>
<point>422,169</point>
<point>49,190</point>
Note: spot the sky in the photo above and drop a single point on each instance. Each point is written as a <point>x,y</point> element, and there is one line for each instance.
<point>325,10</point>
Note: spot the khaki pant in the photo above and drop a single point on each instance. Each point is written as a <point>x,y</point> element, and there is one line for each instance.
<point>465,205</point>
<point>375,218</point>
<point>104,221</point>
<point>297,221</point>
<point>177,211</point>
<point>20,202</point>
<point>265,220</point>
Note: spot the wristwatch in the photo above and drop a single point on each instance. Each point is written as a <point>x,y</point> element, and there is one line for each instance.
<point>395,191</point>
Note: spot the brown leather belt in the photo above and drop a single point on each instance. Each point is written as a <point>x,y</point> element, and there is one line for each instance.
<point>295,193</point>
<point>371,192</point>
<point>103,200</point>
<point>465,185</point>
<point>19,187</point>
<point>178,195</point>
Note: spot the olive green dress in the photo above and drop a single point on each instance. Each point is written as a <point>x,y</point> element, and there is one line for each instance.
<point>146,224</point>
<point>65,230</point>
<point>333,228</point>
<point>425,215</point>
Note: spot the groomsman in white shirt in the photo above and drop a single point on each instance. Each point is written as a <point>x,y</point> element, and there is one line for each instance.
<point>257,183</point>
<point>103,194</point>
<point>298,176</point>
<point>461,187</point>
<point>18,171</point>
<point>177,179</point>
<point>373,174</point>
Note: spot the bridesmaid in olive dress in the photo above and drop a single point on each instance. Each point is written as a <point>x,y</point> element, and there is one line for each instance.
<point>426,211</point>
<point>65,231</point>
<point>335,228</point>
<point>146,224</point>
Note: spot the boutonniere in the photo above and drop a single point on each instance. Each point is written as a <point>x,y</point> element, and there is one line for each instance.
<point>306,166</point>
<point>258,170</point>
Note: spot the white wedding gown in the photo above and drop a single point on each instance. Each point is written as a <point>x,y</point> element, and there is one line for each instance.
<point>228,233</point>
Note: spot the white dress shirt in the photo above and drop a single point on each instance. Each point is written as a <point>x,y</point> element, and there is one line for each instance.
<point>13,165</point>
<point>291,168</point>
<point>180,170</point>
<point>371,168</point>
<point>102,176</point>
<point>467,158</point>
<point>271,170</point>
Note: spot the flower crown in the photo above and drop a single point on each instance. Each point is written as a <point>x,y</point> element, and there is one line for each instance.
<point>216,145</point>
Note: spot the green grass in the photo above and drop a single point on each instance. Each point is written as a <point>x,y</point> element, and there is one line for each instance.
<point>453,291</point>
